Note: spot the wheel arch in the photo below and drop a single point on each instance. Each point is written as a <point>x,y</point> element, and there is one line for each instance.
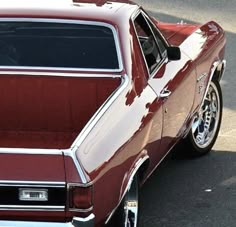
<point>143,170</point>
<point>219,71</point>
<point>216,73</point>
<point>140,168</point>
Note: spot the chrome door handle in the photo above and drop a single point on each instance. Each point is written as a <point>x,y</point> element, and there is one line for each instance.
<point>165,93</point>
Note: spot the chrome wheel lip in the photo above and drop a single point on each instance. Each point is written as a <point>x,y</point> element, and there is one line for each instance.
<point>131,206</point>
<point>206,121</point>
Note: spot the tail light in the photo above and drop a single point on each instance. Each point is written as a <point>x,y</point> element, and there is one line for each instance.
<point>80,197</point>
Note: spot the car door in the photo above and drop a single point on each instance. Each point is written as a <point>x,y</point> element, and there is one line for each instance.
<point>173,81</point>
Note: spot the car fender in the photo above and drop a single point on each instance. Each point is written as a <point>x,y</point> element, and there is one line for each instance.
<point>128,178</point>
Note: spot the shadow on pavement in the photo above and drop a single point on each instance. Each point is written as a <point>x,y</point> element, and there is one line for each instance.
<point>191,193</point>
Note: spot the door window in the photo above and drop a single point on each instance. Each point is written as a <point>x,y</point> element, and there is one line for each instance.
<point>148,43</point>
<point>160,42</point>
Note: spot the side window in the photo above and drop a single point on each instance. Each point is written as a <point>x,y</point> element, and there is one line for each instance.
<point>147,42</point>
<point>161,44</point>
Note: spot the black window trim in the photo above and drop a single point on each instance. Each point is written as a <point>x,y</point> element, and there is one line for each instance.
<point>166,44</point>
<point>159,34</point>
<point>164,58</point>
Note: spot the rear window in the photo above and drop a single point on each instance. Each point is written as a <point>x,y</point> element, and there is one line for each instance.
<point>44,44</point>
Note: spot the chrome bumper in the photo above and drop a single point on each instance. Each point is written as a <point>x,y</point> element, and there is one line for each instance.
<point>76,222</point>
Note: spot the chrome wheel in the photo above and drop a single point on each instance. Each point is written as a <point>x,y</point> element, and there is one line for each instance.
<point>206,123</point>
<point>130,205</point>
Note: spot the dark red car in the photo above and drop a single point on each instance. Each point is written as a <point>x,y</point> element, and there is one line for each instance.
<point>93,95</point>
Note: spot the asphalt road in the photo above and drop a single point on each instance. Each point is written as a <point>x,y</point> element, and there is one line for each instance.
<point>200,192</point>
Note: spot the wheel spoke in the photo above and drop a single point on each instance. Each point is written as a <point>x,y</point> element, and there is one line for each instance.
<point>205,124</point>
<point>214,105</point>
<point>206,107</point>
<point>195,125</point>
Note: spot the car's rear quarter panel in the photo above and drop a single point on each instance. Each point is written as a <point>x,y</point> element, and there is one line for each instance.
<point>128,131</point>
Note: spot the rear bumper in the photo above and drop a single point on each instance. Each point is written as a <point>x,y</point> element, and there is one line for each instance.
<point>76,222</point>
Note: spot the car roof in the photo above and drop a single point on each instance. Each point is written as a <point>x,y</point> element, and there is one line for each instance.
<point>92,10</point>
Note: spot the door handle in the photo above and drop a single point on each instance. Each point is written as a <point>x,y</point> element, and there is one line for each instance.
<point>165,93</point>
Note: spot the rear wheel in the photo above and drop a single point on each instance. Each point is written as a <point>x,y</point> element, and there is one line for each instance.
<point>206,124</point>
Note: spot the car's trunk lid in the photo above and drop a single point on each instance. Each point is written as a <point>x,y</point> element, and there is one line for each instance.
<point>35,175</point>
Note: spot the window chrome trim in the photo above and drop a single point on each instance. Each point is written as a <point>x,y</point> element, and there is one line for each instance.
<point>52,72</point>
<point>32,68</point>
<point>133,18</point>
<point>30,151</point>
<point>166,44</point>
<point>71,21</point>
<point>48,184</point>
<point>31,208</point>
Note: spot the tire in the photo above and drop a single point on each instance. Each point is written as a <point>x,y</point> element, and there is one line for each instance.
<point>127,213</point>
<point>205,126</point>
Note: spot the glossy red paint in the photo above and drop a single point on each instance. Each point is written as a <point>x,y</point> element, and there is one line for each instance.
<point>117,153</point>
<point>33,216</point>
<point>207,53</point>
<point>135,124</point>
<point>110,12</point>
<point>72,175</point>
<point>31,167</point>
<point>43,111</point>
<point>180,78</point>
<point>176,34</point>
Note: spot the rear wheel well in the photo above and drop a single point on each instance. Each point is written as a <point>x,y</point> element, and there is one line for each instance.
<point>142,170</point>
<point>140,173</point>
